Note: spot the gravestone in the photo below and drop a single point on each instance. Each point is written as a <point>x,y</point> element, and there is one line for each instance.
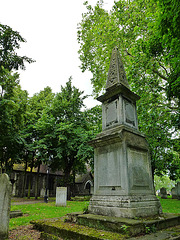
<point>123,185</point>
<point>5,204</point>
<point>61,196</point>
<point>42,192</point>
<point>178,190</point>
<point>163,193</point>
<point>174,192</point>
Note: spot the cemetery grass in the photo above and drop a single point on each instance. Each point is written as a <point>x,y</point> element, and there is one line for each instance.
<point>170,205</point>
<point>20,228</point>
<point>49,210</point>
<point>43,211</point>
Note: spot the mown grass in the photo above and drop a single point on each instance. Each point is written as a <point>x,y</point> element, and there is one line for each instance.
<point>43,211</point>
<point>49,210</point>
<point>170,205</point>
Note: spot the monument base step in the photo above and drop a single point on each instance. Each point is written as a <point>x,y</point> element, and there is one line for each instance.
<point>58,229</point>
<point>125,206</point>
<point>93,227</point>
<point>132,227</point>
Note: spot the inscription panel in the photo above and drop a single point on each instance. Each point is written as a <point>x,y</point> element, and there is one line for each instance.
<point>129,113</point>
<point>139,169</point>
<point>109,168</point>
<point>111,113</point>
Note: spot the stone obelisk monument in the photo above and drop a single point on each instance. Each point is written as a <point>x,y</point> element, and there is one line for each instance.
<point>123,184</point>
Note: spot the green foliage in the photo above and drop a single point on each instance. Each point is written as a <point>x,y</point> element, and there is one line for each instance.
<point>31,139</point>
<point>12,99</point>
<point>12,111</point>
<point>124,227</point>
<point>163,181</point>
<point>151,229</point>
<point>167,36</point>
<point>64,131</point>
<point>132,25</point>
<point>9,42</point>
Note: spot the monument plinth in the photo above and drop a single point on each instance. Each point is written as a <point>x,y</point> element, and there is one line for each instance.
<point>123,184</point>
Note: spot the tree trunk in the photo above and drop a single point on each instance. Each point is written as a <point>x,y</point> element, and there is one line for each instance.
<point>24,180</point>
<point>37,182</point>
<point>30,179</point>
<point>73,185</point>
<point>66,183</point>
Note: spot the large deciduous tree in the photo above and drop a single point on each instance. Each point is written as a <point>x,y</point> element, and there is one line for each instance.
<point>64,130</point>
<point>150,65</point>
<point>31,153</point>
<point>12,98</point>
<point>12,112</point>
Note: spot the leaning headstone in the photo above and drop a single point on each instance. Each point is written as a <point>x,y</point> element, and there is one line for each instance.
<point>163,193</point>
<point>174,192</point>
<point>178,190</point>
<point>61,196</point>
<point>5,204</point>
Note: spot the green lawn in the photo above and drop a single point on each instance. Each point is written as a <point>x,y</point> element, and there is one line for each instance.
<point>44,210</point>
<point>49,210</point>
<point>170,205</point>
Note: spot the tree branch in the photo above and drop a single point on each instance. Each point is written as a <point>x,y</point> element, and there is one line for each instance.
<point>163,67</point>
<point>159,74</point>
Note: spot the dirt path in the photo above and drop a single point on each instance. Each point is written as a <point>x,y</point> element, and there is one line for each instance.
<point>24,233</point>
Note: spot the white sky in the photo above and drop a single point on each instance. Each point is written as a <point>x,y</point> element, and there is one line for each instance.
<point>50,29</point>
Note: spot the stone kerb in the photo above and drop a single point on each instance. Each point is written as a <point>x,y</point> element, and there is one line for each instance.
<point>5,203</point>
<point>61,196</point>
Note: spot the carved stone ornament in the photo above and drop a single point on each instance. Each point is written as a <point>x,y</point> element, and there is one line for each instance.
<point>116,72</point>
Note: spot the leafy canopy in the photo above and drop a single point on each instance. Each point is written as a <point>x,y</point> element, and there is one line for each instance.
<point>134,27</point>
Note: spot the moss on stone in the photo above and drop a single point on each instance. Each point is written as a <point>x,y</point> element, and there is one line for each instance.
<point>47,236</point>
<point>74,231</point>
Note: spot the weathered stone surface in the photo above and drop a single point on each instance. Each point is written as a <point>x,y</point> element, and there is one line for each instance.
<point>178,190</point>
<point>116,72</point>
<point>119,111</point>
<point>163,193</point>
<point>14,214</point>
<point>5,203</point>
<point>174,192</point>
<point>61,196</point>
<point>123,185</point>
<point>125,206</point>
<point>97,227</point>
<point>132,226</point>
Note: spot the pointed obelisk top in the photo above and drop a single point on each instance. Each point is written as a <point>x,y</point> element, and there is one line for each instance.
<point>116,73</point>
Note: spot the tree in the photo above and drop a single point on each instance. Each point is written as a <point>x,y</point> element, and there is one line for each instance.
<point>12,109</point>
<point>64,131</point>
<point>165,42</point>
<point>130,27</point>
<point>9,42</point>
<point>12,98</point>
<point>163,181</point>
<point>31,154</point>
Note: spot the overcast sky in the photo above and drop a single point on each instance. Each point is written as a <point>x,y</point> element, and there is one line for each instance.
<point>50,29</point>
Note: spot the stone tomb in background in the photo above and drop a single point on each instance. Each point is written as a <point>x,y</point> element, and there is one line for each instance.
<point>5,204</point>
<point>123,184</point>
